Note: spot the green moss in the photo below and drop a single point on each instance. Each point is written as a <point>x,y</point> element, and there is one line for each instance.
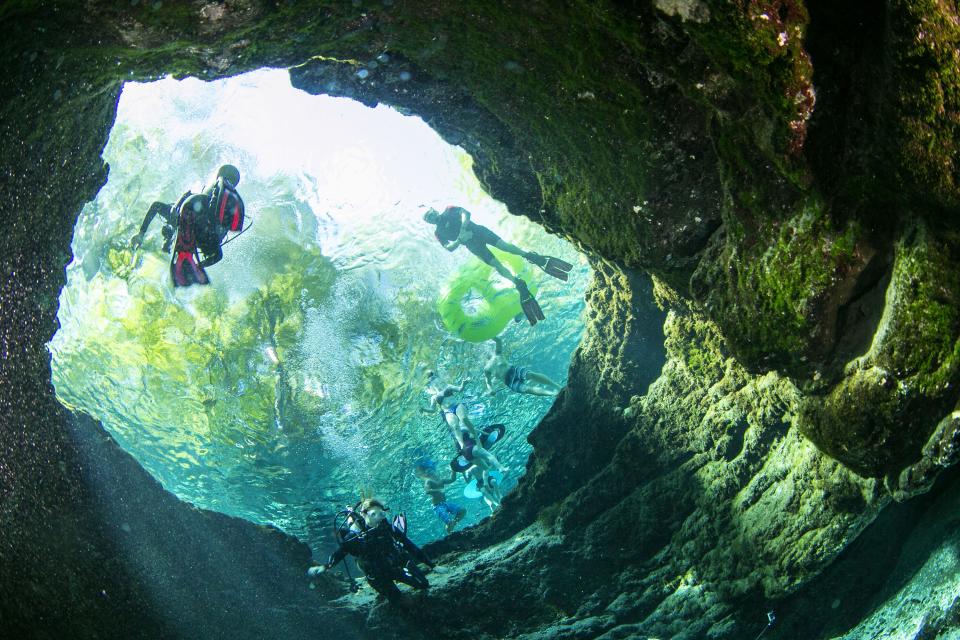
<point>771,289</point>
<point>878,417</point>
<point>926,134</point>
<point>693,340</point>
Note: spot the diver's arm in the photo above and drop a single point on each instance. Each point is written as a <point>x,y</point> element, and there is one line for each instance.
<point>453,244</point>
<point>211,259</point>
<point>486,380</point>
<point>337,556</point>
<point>157,207</point>
<point>499,348</point>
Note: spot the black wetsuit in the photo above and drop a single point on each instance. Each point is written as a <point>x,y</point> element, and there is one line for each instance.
<point>206,232</point>
<point>385,555</point>
<point>448,228</point>
<point>195,220</point>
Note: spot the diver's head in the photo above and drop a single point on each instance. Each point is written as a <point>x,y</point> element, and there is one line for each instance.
<point>432,216</point>
<point>230,174</point>
<point>373,511</point>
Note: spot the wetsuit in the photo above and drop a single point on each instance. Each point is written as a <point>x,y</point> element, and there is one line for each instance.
<point>385,555</point>
<point>200,224</point>
<point>448,228</point>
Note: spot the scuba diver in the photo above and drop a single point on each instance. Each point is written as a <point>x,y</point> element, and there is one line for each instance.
<point>454,228</point>
<point>518,379</point>
<point>201,222</point>
<point>450,513</point>
<point>383,551</point>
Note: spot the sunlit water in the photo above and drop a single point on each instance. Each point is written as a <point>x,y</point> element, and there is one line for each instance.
<point>296,380</point>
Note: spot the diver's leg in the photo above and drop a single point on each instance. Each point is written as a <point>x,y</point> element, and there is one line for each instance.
<point>499,268</point>
<point>503,245</point>
<point>385,587</point>
<point>413,576</point>
<point>478,246</point>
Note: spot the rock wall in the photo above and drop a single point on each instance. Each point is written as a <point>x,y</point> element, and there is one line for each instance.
<point>784,171</point>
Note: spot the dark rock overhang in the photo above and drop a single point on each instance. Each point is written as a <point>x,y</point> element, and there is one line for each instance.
<point>791,188</point>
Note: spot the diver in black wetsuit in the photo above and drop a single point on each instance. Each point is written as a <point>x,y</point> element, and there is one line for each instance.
<point>384,552</point>
<point>454,228</point>
<point>201,222</point>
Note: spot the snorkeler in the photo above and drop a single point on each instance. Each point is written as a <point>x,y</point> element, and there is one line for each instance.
<point>383,551</point>
<point>469,439</point>
<point>487,485</point>
<point>454,228</point>
<point>515,378</point>
<point>201,222</point>
<point>450,513</point>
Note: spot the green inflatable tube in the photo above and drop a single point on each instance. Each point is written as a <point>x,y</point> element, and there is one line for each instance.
<point>476,304</point>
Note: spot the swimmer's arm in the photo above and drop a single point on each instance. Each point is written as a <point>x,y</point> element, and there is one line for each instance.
<point>448,390</point>
<point>486,380</point>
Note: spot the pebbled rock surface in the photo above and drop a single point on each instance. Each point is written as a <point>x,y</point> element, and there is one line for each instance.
<point>769,192</point>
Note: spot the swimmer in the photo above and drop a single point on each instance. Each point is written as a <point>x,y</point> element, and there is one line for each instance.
<point>498,371</point>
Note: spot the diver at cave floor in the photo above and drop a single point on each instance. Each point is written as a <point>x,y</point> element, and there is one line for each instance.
<point>383,551</point>
<point>515,378</point>
<point>469,440</point>
<point>454,228</point>
<point>201,222</point>
<point>450,513</point>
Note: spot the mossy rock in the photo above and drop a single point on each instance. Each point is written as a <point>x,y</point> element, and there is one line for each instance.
<point>879,416</point>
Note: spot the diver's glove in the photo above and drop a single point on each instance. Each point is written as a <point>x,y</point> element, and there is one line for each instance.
<point>313,572</point>
<point>136,241</point>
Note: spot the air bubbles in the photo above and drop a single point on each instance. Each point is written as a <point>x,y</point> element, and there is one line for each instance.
<point>363,74</point>
<point>405,75</point>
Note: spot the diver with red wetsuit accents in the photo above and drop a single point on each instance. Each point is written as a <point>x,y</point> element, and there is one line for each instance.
<point>200,221</point>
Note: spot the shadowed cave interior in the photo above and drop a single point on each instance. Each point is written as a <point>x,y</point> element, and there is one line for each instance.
<point>761,415</point>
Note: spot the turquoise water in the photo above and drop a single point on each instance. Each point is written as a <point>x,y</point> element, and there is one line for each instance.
<point>296,380</point>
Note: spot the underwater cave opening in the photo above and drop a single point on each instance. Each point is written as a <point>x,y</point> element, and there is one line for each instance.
<point>297,378</point>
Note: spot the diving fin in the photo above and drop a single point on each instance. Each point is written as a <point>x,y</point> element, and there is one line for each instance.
<point>555,267</point>
<point>531,308</point>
